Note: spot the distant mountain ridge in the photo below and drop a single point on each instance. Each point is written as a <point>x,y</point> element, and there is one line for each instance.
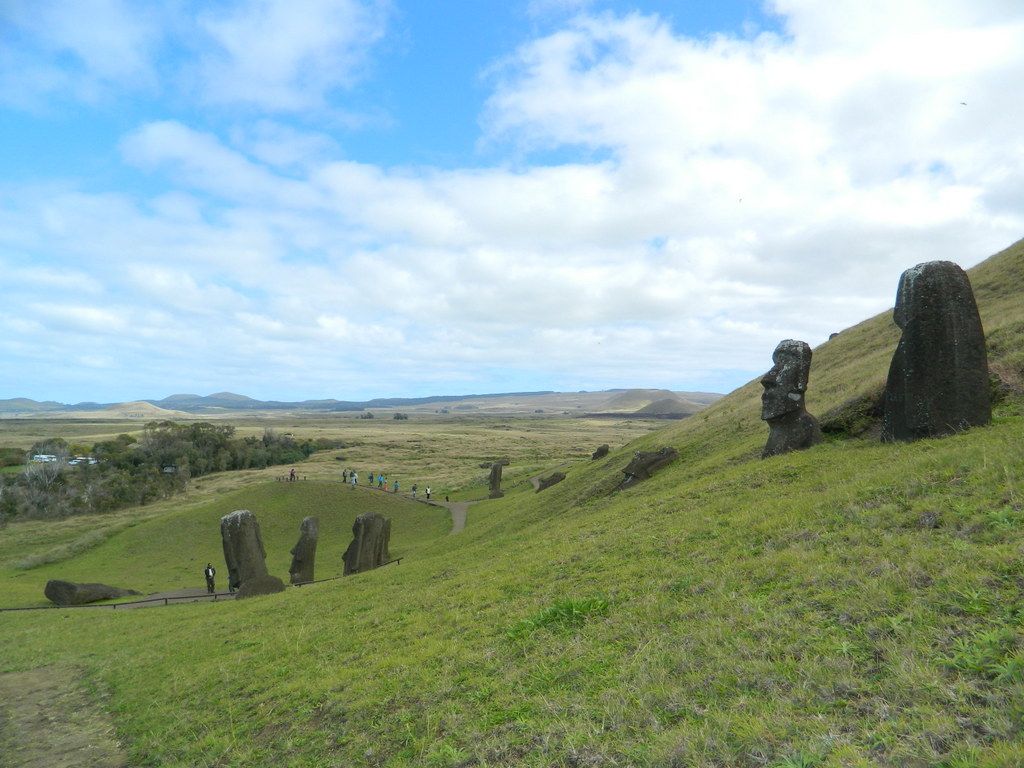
<point>221,402</point>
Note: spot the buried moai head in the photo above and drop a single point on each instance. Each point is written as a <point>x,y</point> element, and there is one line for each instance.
<point>791,427</point>
<point>494,482</point>
<point>938,380</point>
<point>785,384</point>
<point>304,552</point>
<point>245,556</point>
<point>371,537</point>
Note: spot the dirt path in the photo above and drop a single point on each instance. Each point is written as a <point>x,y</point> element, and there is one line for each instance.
<point>48,721</point>
<point>458,510</point>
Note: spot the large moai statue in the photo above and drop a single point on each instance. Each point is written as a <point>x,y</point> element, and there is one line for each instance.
<point>245,556</point>
<point>371,534</point>
<point>304,552</point>
<point>494,484</point>
<point>938,380</point>
<point>790,426</point>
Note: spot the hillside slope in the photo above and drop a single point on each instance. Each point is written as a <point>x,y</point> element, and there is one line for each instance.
<point>857,604</point>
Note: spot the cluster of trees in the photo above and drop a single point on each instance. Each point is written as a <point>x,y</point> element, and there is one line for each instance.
<point>130,471</point>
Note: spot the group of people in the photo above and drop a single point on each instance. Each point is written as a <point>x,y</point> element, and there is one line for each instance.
<point>352,478</point>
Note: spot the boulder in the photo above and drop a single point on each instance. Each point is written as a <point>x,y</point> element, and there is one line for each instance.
<point>790,426</point>
<point>938,381</point>
<point>245,556</point>
<point>371,535</point>
<point>304,552</point>
<point>70,593</point>
<point>600,453</point>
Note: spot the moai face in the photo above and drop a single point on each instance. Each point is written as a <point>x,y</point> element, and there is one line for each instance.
<point>785,384</point>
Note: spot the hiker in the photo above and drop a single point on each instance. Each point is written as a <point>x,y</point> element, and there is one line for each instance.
<point>380,481</point>
<point>291,476</point>
<point>344,475</point>
<point>353,478</point>
<point>396,486</point>
<point>428,493</point>
<point>414,487</point>
<point>209,572</point>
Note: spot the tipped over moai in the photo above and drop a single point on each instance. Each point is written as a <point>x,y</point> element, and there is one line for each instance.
<point>938,380</point>
<point>791,427</point>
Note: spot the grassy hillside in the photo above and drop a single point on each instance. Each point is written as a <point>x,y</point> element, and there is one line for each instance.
<point>857,604</point>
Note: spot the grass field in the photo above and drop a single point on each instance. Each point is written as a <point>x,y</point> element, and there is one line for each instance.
<point>856,604</point>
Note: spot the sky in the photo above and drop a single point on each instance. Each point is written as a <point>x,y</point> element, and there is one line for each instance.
<point>305,199</point>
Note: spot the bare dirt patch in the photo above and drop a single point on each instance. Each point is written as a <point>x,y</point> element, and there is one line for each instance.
<point>47,720</point>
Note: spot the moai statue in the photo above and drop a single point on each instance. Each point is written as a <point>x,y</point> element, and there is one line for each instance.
<point>600,453</point>
<point>495,480</point>
<point>371,534</point>
<point>245,556</point>
<point>790,426</point>
<point>304,552</point>
<point>938,380</point>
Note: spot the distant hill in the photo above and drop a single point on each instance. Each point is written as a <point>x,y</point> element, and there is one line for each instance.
<point>24,405</point>
<point>660,403</point>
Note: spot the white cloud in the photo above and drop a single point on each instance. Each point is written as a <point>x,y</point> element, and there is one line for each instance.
<point>85,50</point>
<point>286,55</point>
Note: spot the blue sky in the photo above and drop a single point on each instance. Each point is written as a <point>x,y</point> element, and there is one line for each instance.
<point>360,198</point>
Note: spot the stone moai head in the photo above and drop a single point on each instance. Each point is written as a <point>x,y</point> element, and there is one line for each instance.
<point>785,384</point>
<point>938,379</point>
<point>245,556</point>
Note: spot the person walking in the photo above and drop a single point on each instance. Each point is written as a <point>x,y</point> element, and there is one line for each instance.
<point>428,493</point>
<point>396,486</point>
<point>209,572</point>
<point>414,487</point>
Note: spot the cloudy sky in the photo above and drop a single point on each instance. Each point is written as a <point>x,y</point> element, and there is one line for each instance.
<point>295,199</point>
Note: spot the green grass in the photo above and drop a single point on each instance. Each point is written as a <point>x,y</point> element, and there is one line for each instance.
<point>856,604</point>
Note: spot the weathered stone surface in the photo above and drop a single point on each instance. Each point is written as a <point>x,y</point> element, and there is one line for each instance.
<point>645,463</point>
<point>494,484</point>
<point>245,555</point>
<point>938,380</point>
<point>371,535</point>
<point>70,593</point>
<point>546,482</point>
<point>600,453</point>
<point>790,426</point>
<point>304,552</point>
